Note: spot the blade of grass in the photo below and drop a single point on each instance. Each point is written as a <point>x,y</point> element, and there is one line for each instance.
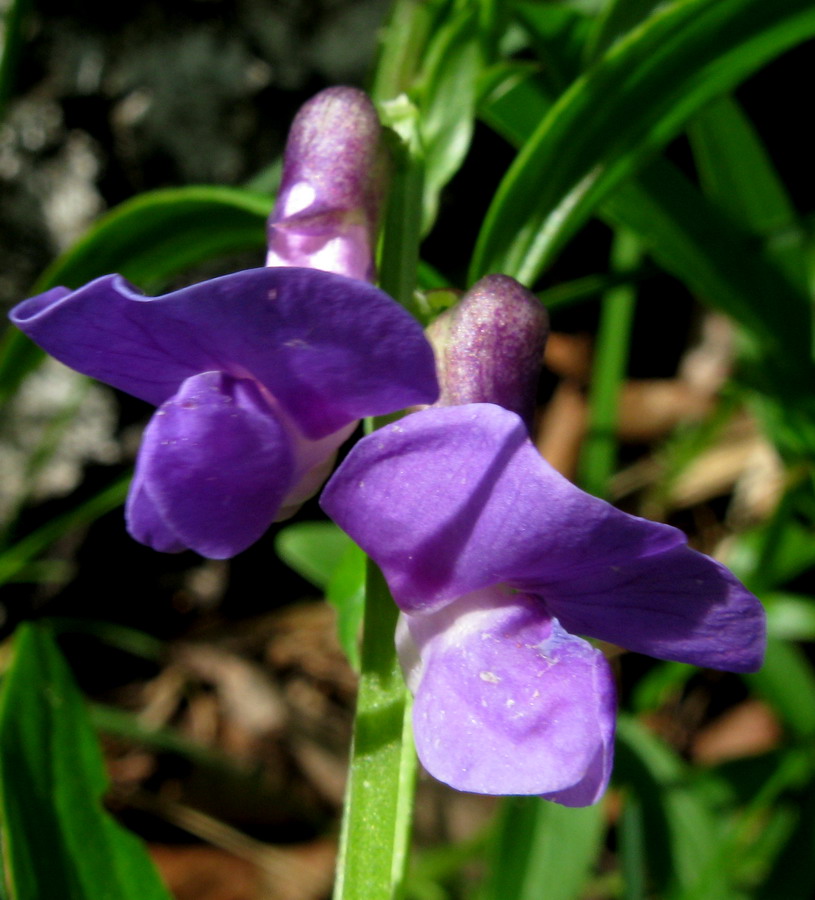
<point>621,110</point>
<point>598,457</point>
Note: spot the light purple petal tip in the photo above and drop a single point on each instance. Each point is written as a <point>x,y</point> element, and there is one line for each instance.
<point>213,468</point>
<point>509,703</point>
<point>330,349</point>
<point>326,213</point>
<point>452,500</point>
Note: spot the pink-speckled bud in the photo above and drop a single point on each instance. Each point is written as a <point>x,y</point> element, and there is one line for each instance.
<point>489,346</point>
<point>327,210</point>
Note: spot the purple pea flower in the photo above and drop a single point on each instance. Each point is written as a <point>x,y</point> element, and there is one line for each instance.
<point>260,375</point>
<point>498,564</point>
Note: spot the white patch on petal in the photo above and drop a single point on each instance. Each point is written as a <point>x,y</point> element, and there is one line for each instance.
<point>301,196</point>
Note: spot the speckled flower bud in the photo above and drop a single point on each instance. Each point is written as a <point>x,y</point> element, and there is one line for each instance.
<point>327,210</point>
<point>489,346</point>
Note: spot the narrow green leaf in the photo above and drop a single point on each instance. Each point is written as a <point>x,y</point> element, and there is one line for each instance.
<point>618,18</point>
<point>514,100</point>
<point>598,456</point>
<point>681,832</point>
<point>633,861</point>
<point>738,175</point>
<point>684,232</point>
<point>58,840</point>
<point>558,34</point>
<point>790,617</point>
<point>447,103</point>
<point>542,849</point>
<point>156,235</point>
<point>623,109</point>
<point>329,559</point>
<point>693,240</point>
<point>793,875</point>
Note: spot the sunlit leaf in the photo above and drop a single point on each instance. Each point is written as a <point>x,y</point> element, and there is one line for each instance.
<point>623,109</point>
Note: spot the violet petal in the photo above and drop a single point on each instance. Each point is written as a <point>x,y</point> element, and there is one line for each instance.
<point>215,464</point>
<point>510,703</point>
<point>452,500</point>
<point>144,522</point>
<point>330,349</point>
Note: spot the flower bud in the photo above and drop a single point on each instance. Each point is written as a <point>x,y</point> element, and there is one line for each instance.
<point>489,346</point>
<point>327,211</point>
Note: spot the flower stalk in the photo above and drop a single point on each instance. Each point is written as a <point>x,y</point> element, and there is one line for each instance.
<point>377,816</point>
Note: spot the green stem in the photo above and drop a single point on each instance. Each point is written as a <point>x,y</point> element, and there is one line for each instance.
<point>379,798</point>
<point>377,818</point>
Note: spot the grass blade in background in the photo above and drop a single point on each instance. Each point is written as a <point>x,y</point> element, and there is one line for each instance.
<point>689,236</point>
<point>738,175</point>
<point>617,19</point>
<point>679,830</point>
<point>598,456</point>
<point>156,235</point>
<point>446,100</point>
<point>543,850</point>
<point>58,839</point>
<point>627,106</point>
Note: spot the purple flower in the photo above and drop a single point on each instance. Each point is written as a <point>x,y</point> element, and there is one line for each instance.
<point>499,563</point>
<point>333,178</point>
<point>258,377</point>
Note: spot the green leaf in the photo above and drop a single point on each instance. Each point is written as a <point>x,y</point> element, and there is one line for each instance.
<point>156,235</point>
<point>313,549</point>
<point>346,593</point>
<point>558,34</point>
<point>698,243</point>
<point>623,109</point>
<point>329,559</point>
<point>687,234</point>
<point>790,617</point>
<point>598,455</point>
<point>542,849</point>
<point>679,829</point>
<point>447,103</point>
<point>787,682</point>
<point>514,99</point>
<point>58,839</point>
<point>738,175</point>
<point>618,18</point>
